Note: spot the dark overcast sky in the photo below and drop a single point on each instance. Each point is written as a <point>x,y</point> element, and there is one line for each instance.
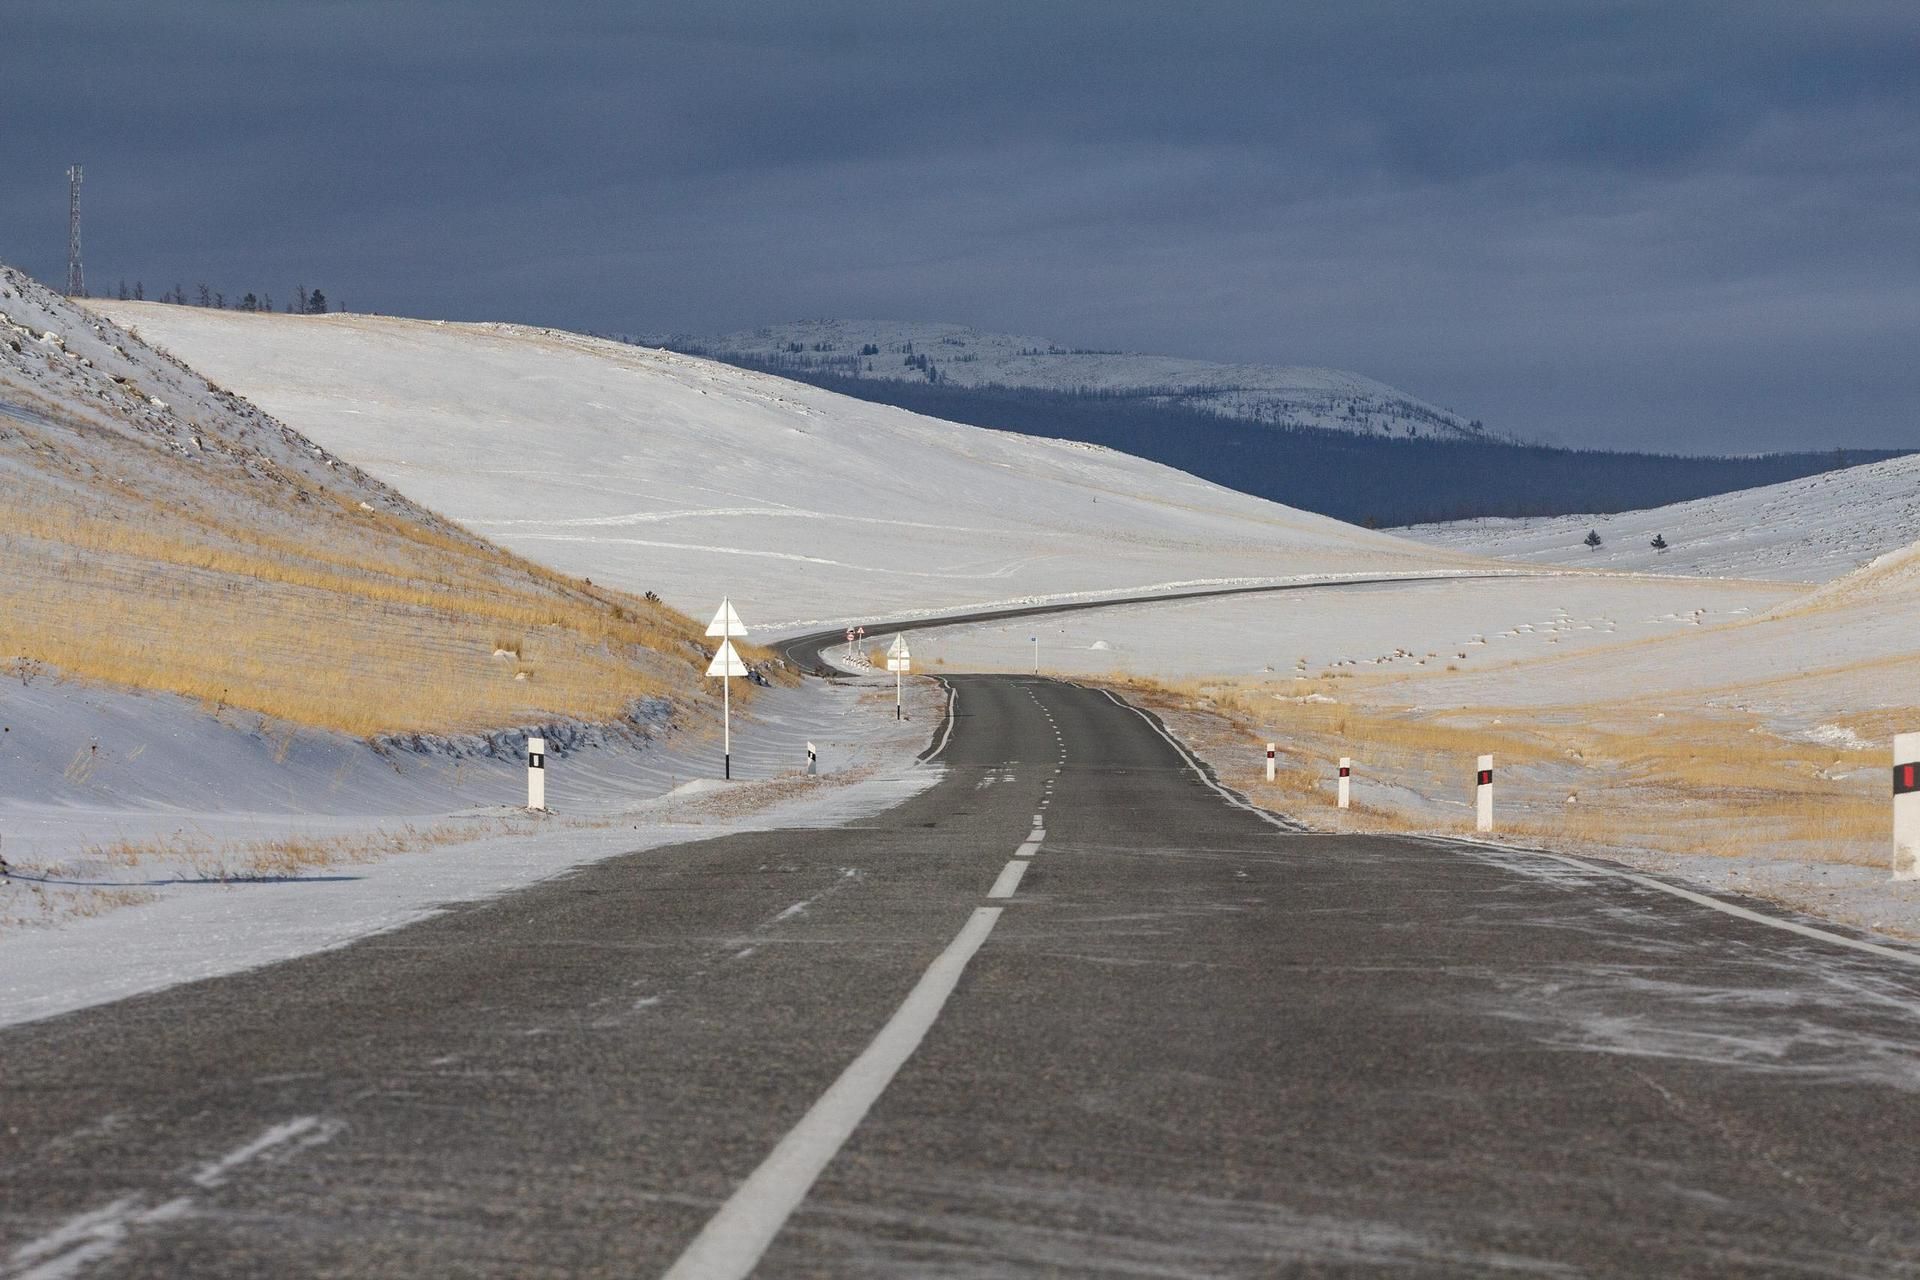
<point>1650,224</point>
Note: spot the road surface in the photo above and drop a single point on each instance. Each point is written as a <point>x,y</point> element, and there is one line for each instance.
<point>1182,1041</point>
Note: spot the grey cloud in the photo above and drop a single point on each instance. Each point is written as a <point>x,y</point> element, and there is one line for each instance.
<point>1635,223</point>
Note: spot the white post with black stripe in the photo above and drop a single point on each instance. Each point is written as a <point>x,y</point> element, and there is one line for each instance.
<point>1906,806</point>
<point>1346,782</point>
<point>813,760</point>
<point>1483,795</point>
<point>1269,762</point>
<point>537,774</point>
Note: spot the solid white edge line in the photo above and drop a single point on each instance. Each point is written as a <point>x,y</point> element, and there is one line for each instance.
<point>1009,880</point>
<point>735,1238</point>
<point>1703,899</point>
<point>1026,850</point>
<point>1231,797</point>
<point>953,701</point>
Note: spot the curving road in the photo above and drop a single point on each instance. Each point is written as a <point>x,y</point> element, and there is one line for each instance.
<point>804,651</point>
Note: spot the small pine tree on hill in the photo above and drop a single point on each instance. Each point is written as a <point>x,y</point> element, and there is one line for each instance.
<point>1659,542</point>
<point>1593,539</point>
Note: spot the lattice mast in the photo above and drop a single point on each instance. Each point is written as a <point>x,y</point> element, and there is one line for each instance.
<point>76,278</point>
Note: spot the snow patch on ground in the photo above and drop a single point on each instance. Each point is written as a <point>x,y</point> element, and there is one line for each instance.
<point>1807,530</point>
<point>85,770</point>
<point>647,470</point>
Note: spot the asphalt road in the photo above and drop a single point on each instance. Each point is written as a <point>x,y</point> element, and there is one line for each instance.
<point>1187,1042</point>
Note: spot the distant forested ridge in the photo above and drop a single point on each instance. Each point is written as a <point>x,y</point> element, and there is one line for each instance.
<point>1358,478</point>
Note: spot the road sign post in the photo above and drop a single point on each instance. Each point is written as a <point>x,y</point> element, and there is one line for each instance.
<point>537,774</point>
<point>1036,654</point>
<point>1906,806</point>
<point>813,760</point>
<point>1270,762</point>
<point>726,664</point>
<point>1483,795</point>
<point>899,661</point>
<point>1346,779</point>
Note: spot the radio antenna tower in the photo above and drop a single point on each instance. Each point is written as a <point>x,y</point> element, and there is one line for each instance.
<point>76,278</point>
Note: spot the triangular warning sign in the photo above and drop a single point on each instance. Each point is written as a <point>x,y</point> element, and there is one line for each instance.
<point>726,622</point>
<point>726,662</point>
<point>899,648</point>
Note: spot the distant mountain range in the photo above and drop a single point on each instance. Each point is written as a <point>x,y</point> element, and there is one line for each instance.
<point>958,356</point>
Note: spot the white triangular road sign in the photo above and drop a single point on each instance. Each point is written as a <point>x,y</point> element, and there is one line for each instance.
<point>726,662</point>
<point>899,648</point>
<point>726,622</point>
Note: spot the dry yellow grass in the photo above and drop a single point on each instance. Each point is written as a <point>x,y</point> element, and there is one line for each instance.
<point>1684,780</point>
<point>303,605</point>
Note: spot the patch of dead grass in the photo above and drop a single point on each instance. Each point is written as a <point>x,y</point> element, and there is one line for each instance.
<point>1668,778</point>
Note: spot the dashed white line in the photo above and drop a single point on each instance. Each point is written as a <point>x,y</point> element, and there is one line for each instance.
<point>1009,879</point>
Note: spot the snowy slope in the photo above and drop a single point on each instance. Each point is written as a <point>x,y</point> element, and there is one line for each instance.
<point>144,509</point>
<point>655,471</point>
<point>909,351</point>
<point>1806,530</point>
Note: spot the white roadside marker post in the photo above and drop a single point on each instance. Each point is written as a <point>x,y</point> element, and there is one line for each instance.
<point>1483,795</point>
<point>726,664</point>
<point>1906,806</point>
<point>813,760</point>
<point>1346,782</point>
<point>1036,654</point>
<point>899,661</point>
<point>537,774</point>
<point>1269,762</point>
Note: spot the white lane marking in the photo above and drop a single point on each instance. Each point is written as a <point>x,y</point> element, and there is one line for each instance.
<point>953,702</point>
<point>1230,797</point>
<point>1026,850</point>
<point>732,1242</point>
<point>308,1128</point>
<point>86,1238</point>
<point>1009,880</point>
<point>1705,900</point>
<point>1039,819</point>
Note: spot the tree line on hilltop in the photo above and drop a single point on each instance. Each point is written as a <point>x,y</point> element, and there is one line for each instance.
<point>304,301</point>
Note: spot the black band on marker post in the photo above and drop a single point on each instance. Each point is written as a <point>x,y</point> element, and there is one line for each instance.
<point>1906,779</point>
<point>1485,778</point>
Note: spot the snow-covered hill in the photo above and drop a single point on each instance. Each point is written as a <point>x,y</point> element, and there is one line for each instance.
<point>1808,530</point>
<point>162,533</point>
<point>905,351</point>
<point>660,472</point>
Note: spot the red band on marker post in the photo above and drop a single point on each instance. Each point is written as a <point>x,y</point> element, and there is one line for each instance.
<point>1346,772</point>
<point>1906,779</point>
<point>1485,778</point>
